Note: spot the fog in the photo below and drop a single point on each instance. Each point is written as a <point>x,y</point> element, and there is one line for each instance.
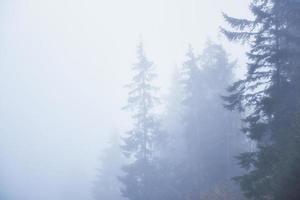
<point>63,67</point>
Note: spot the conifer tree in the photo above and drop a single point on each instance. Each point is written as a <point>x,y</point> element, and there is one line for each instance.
<point>209,131</point>
<point>140,179</point>
<point>269,98</point>
<point>190,169</point>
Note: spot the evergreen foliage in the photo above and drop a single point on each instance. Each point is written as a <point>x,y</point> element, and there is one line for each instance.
<point>141,174</point>
<point>208,162</point>
<point>269,98</point>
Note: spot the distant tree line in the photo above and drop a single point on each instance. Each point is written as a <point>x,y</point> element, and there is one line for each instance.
<point>197,149</point>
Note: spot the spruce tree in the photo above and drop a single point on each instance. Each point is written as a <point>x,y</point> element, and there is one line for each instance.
<point>141,180</point>
<point>269,99</point>
<point>190,168</point>
<point>210,133</point>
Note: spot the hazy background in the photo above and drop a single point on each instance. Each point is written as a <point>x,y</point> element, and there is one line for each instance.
<point>63,64</point>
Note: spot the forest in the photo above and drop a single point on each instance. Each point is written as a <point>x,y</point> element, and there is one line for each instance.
<point>225,125</point>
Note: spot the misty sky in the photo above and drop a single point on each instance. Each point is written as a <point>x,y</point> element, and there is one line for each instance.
<point>63,64</point>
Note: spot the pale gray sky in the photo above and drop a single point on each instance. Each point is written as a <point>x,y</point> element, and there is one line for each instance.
<point>63,64</point>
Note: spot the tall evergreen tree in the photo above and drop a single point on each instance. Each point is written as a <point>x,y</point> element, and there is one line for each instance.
<point>209,131</point>
<point>190,169</point>
<point>140,179</point>
<point>269,98</point>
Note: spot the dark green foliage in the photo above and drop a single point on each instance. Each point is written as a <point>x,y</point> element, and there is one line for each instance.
<point>269,98</point>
